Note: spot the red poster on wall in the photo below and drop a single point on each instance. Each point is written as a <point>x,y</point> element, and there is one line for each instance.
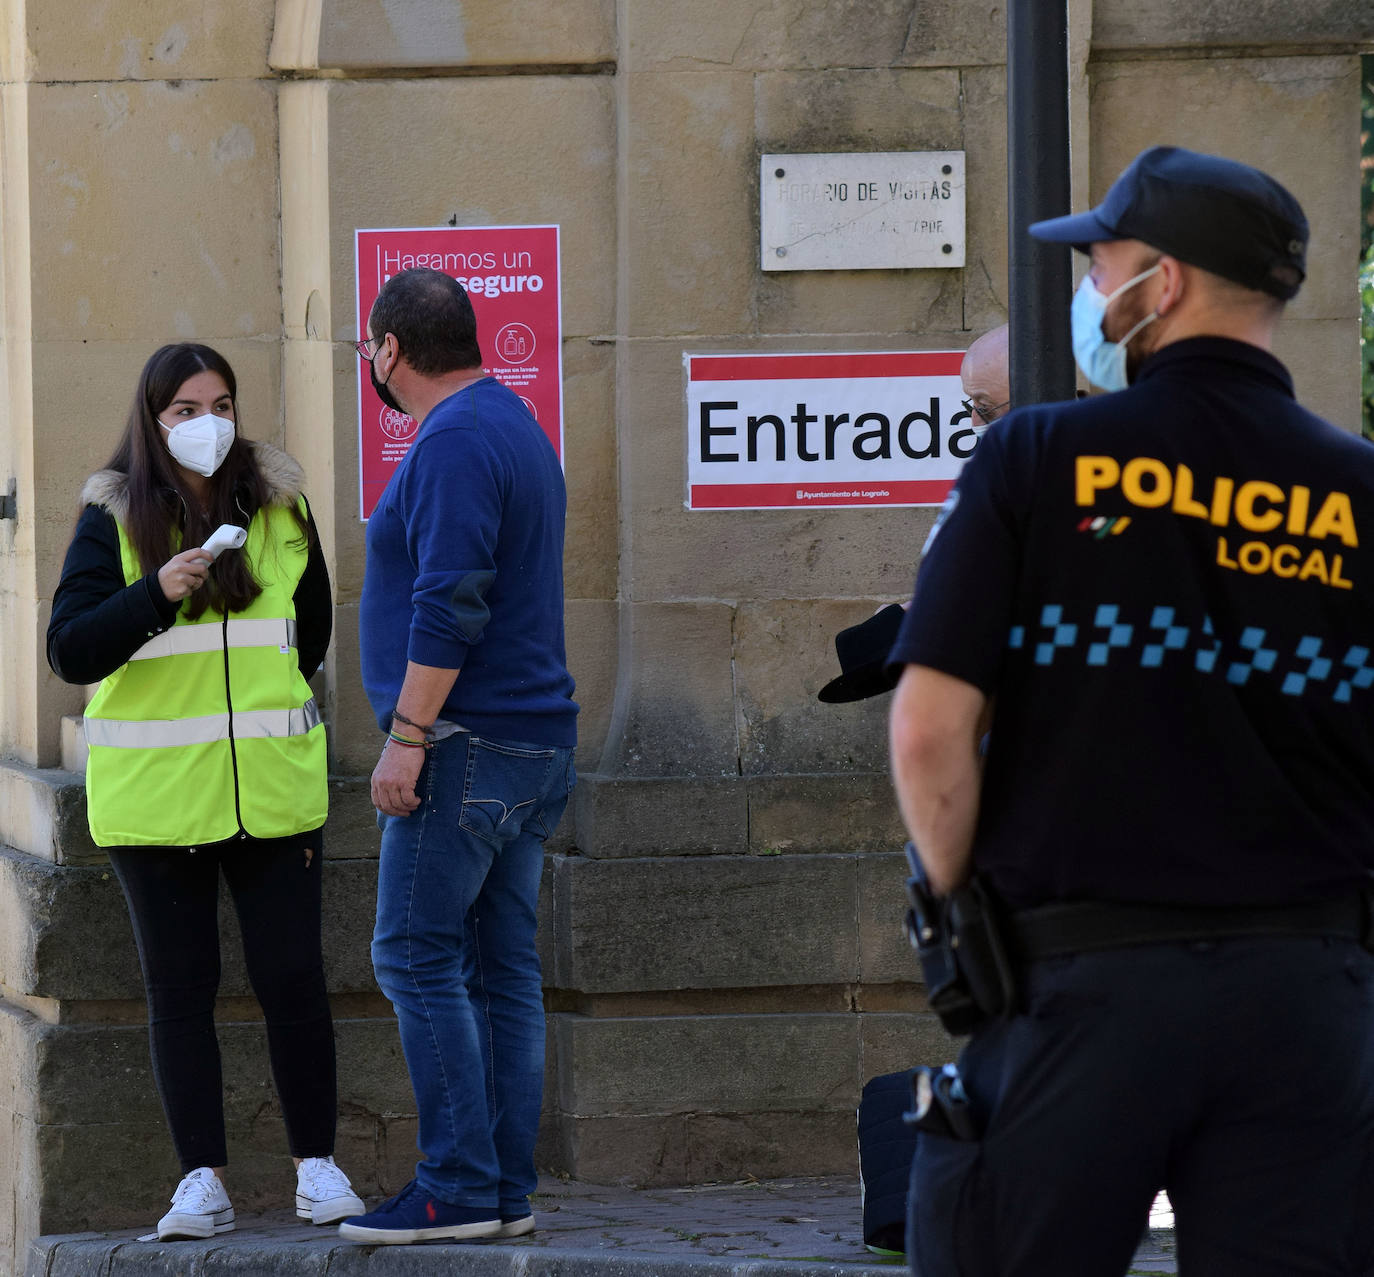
<point>511,273</point>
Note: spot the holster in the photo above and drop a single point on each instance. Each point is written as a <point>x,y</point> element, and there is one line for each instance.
<point>961,943</point>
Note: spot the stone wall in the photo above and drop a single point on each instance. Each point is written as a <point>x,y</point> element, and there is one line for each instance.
<point>721,947</point>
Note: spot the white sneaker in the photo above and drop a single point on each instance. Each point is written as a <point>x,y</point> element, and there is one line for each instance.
<point>323,1193</point>
<point>200,1208</point>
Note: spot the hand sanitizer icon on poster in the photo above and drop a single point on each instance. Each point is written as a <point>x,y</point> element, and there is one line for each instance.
<point>515,344</point>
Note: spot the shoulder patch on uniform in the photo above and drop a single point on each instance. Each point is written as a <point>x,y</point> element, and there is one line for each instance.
<point>945,511</point>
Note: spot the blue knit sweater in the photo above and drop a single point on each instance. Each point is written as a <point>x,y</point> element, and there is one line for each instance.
<point>465,571</point>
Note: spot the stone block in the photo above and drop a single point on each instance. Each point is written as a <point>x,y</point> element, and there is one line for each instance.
<point>26,1167</point>
<point>985,202</point>
<point>356,740</point>
<point>1214,105</point>
<point>351,831</point>
<point>734,1146</point>
<point>884,109</point>
<point>349,910</point>
<point>693,260</point>
<point>846,812</point>
<point>258,1258</point>
<point>623,816</point>
<point>706,35</point>
<point>97,1108</point>
<point>626,1150</point>
<point>592,633</point>
<point>784,654</point>
<point>681,724</point>
<point>373,35</point>
<point>692,1148</point>
<point>45,907</point>
<point>303,139</point>
<point>865,308</point>
<point>885,956</point>
<point>954,33</point>
<point>66,932</point>
<point>74,748</point>
<point>707,1063</point>
<point>148,40</point>
<point>591,552</point>
<point>337,400</point>
<point>562,128</point>
<point>718,922</point>
<point>112,165</point>
<point>73,1170</point>
<point>18,1030</point>
<point>43,814</point>
<point>12,1132</point>
<point>89,1075</point>
<point>82,1075</point>
<point>397,1151</point>
<point>1180,24</point>
<point>1323,357</point>
<point>895,1041</point>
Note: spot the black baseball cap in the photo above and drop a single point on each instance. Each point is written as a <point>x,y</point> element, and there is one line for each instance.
<point>1213,213</point>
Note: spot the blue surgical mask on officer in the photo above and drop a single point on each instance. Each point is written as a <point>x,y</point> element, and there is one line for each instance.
<point>1102,362</point>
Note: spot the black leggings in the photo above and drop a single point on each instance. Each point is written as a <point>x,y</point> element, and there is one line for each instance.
<point>173,895</point>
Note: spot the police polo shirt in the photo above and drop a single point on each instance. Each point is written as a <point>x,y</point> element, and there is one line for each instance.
<point>1169,594</point>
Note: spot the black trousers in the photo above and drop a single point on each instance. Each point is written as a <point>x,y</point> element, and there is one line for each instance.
<point>172,894</point>
<point>1237,1074</point>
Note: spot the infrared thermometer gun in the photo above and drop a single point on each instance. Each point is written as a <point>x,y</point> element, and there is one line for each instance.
<point>225,537</point>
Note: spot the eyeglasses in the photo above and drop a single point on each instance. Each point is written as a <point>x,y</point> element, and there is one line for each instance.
<point>985,414</point>
<point>362,347</point>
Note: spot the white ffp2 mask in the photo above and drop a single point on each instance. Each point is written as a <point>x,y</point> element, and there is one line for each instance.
<point>202,443</point>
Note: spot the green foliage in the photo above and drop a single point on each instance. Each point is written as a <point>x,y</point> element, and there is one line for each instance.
<point>1367,343</point>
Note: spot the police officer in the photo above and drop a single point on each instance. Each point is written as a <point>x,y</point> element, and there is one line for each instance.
<point>1165,598</point>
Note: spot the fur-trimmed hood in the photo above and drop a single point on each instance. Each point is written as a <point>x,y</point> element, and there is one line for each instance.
<point>109,489</point>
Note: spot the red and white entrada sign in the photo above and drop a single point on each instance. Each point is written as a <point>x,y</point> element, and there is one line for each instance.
<point>511,274</point>
<point>767,431</point>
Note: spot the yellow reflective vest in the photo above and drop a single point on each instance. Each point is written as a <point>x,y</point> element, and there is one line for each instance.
<point>210,729</point>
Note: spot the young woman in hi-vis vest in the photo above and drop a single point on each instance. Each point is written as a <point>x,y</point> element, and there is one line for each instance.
<point>207,755</point>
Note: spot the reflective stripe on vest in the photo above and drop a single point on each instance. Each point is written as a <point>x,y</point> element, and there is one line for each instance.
<point>210,731</point>
<point>157,733</point>
<point>278,632</point>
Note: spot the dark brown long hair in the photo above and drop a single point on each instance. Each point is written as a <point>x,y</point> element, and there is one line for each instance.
<point>160,503</point>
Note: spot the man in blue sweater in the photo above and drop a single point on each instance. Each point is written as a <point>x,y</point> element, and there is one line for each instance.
<point>463,663</point>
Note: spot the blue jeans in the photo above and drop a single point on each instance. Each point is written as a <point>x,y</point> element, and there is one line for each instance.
<point>454,951</point>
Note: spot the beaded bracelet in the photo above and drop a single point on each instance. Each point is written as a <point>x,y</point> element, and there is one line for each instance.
<point>406,741</point>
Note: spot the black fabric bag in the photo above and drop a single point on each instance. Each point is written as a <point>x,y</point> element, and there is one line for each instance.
<point>887,1146</point>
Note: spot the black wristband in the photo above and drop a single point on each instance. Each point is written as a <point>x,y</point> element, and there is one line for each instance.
<point>398,717</point>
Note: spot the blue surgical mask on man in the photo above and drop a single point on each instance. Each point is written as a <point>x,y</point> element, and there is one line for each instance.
<point>1102,362</point>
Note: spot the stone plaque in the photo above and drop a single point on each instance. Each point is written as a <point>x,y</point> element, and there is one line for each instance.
<point>862,211</point>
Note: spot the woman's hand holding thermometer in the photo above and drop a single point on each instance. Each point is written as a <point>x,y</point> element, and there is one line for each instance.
<point>185,573</point>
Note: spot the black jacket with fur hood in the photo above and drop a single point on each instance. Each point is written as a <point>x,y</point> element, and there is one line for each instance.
<point>98,622</point>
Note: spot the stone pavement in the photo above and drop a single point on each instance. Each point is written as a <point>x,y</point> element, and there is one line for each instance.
<point>796,1227</point>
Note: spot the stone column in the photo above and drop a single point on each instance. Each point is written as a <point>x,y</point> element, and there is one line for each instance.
<point>729,962</point>
<point>139,178</point>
